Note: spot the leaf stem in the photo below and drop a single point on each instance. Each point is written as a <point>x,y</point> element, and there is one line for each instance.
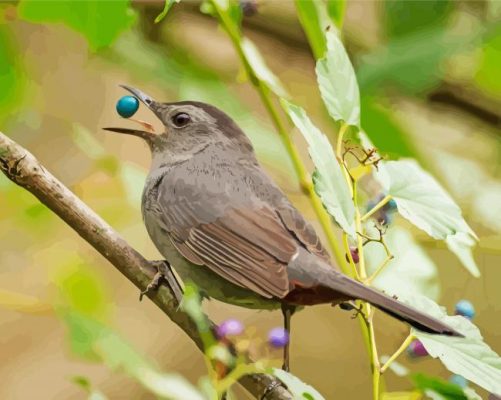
<point>376,208</point>
<point>299,167</point>
<point>378,270</point>
<point>397,353</point>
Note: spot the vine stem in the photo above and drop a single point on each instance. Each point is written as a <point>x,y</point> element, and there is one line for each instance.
<point>299,167</point>
<point>397,353</point>
<point>376,208</point>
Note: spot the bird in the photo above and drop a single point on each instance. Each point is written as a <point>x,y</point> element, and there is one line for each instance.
<point>215,214</point>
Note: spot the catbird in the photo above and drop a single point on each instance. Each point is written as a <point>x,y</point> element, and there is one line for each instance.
<point>218,218</point>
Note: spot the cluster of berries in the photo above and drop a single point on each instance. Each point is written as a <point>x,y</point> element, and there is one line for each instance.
<point>277,337</point>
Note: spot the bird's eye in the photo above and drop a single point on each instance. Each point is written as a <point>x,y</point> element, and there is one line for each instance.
<point>181,119</point>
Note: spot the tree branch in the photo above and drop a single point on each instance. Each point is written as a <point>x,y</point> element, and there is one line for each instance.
<point>21,167</point>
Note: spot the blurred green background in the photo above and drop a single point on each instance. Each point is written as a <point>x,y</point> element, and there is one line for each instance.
<point>429,80</point>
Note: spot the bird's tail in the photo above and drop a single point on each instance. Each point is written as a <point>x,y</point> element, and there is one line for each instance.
<point>356,290</point>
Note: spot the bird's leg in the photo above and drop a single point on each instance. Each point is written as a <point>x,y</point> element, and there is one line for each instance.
<point>164,271</point>
<point>287,312</point>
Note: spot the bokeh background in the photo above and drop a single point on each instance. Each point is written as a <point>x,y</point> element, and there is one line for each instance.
<point>429,78</point>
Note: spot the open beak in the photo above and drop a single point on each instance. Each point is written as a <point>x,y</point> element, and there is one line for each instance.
<point>148,102</point>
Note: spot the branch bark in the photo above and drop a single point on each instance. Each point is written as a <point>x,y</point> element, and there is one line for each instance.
<point>21,167</point>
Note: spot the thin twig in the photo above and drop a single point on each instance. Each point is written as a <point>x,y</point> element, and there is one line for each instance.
<point>21,167</point>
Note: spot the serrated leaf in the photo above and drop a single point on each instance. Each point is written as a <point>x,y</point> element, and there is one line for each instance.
<point>411,270</point>
<point>330,184</point>
<point>100,22</point>
<point>423,201</point>
<point>297,387</point>
<point>90,338</point>
<point>167,6</point>
<point>338,83</point>
<point>469,357</point>
<point>260,68</point>
<point>461,244</point>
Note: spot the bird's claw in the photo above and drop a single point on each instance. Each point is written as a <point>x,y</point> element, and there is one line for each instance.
<point>270,389</point>
<point>164,272</point>
<point>153,285</point>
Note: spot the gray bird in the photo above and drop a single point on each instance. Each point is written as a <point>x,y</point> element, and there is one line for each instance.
<point>218,218</point>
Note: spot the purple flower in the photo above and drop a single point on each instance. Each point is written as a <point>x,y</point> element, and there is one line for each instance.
<point>416,349</point>
<point>230,327</point>
<point>278,337</point>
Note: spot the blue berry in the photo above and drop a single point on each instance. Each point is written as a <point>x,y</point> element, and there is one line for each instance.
<point>465,308</point>
<point>127,106</point>
<point>230,327</point>
<point>278,337</point>
<point>458,380</point>
<point>391,205</point>
<point>416,349</point>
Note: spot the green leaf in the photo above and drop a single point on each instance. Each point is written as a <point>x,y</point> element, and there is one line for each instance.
<point>330,184</point>
<point>336,10</point>
<point>313,18</point>
<point>12,79</point>
<point>100,22</point>
<point>192,305</point>
<point>388,136</point>
<point>298,388</point>
<point>487,75</point>
<point>167,6</point>
<point>461,244</point>
<point>338,83</point>
<point>411,270</point>
<point>92,339</point>
<point>410,63</point>
<point>448,390</point>
<point>425,203</point>
<point>469,357</point>
<point>81,288</point>
<point>402,18</point>
<point>260,68</point>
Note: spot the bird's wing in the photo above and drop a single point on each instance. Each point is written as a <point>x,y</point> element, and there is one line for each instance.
<point>249,246</point>
<point>302,229</point>
<point>241,226</point>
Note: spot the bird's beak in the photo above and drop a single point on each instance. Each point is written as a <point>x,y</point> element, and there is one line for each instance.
<point>148,102</point>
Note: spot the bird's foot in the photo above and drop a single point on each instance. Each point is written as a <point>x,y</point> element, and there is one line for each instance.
<point>164,272</point>
<point>271,387</point>
<point>352,306</point>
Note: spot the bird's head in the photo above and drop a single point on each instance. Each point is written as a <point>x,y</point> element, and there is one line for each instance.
<point>189,126</point>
